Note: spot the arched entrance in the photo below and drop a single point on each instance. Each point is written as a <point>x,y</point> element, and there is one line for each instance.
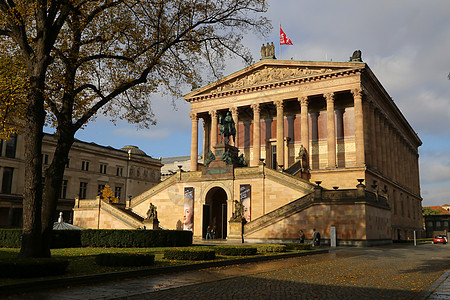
<point>215,212</point>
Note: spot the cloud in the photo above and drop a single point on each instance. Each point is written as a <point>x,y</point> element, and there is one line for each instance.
<point>157,134</point>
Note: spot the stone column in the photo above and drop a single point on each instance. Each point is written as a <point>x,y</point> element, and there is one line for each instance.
<point>280,132</point>
<point>235,114</point>
<point>359,127</point>
<point>331,137</point>
<point>377,155</point>
<point>213,114</point>
<point>391,152</point>
<point>383,145</point>
<point>206,136</point>
<point>397,171</point>
<point>373,136</point>
<point>194,142</point>
<point>304,122</point>
<point>256,134</point>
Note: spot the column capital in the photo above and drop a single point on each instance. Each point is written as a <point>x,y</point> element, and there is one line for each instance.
<point>234,111</point>
<point>256,107</point>
<point>329,97</point>
<point>213,113</point>
<point>303,100</point>
<point>278,104</point>
<point>358,92</point>
<point>194,117</point>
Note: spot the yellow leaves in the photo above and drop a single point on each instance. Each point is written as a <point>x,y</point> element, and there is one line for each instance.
<point>13,88</point>
<point>108,194</point>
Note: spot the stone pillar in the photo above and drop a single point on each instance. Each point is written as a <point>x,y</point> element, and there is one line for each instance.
<point>235,115</point>
<point>256,134</point>
<point>206,137</point>
<point>377,155</point>
<point>331,137</point>
<point>391,152</point>
<point>383,145</point>
<point>194,142</point>
<point>304,122</point>
<point>288,159</point>
<point>373,136</point>
<point>359,127</point>
<point>280,132</point>
<point>213,114</point>
<point>397,157</point>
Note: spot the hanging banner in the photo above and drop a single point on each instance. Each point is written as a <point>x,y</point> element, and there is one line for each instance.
<point>245,191</point>
<point>188,218</point>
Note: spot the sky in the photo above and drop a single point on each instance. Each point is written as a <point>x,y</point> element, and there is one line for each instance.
<point>406,43</point>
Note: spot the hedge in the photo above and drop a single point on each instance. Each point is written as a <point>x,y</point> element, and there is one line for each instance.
<point>235,250</point>
<point>270,248</point>
<point>124,259</point>
<point>298,246</point>
<point>11,238</point>
<point>32,267</point>
<point>189,254</point>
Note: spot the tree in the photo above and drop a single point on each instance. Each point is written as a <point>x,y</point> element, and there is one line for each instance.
<point>84,57</point>
<point>108,194</point>
<point>427,211</point>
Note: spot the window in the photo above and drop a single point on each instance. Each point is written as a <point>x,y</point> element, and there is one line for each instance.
<point>274,157</point>
<point>83,190</point>
<point>119,171</point>
<point>84,165</point>
<point>102,169</point>
<point>1,147</point>
<point>100,188</point>
<point>438,224</point>
<point>117,192</point>
<point>11,147</point>
<point>63,189</point>
<point>430,224</point>
<point>67,162</point>
<point>45,159</point>
<point>7,180</point>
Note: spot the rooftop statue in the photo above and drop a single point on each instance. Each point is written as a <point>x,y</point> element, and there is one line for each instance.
<point>356,56</point>
<point>268,51</point>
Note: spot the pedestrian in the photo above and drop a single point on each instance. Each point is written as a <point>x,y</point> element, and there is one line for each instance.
<point>314,238</point>
<point>213,232</point>
<point>302,236</point>
<point>208,233</point>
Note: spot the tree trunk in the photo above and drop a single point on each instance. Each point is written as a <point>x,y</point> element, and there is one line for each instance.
<point>53,181</point>
<point>32,195</point>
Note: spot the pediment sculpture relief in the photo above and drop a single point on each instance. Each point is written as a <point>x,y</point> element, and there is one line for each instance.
<point>269,74</point>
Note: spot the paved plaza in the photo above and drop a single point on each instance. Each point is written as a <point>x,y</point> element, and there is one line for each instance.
<point>390,272</point>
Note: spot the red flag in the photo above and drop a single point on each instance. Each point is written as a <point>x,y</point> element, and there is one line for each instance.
<point>284,40</point>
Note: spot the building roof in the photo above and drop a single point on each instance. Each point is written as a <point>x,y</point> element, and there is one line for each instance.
<point>440,208</point>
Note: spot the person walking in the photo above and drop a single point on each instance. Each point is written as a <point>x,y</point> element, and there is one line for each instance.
<point>315,238</point>
<point>208,233</point>
<point>302,236</point>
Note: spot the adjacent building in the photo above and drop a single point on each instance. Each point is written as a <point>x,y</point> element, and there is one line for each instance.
<point>128,171</point>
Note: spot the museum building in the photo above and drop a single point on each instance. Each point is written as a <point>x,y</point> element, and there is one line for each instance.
<point>315,144</point>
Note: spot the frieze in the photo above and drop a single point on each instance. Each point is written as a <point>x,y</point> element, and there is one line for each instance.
<point>269,74</point>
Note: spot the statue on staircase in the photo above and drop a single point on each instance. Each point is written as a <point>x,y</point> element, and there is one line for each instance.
<point>303,157</point>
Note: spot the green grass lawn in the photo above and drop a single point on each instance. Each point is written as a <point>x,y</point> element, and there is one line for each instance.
<point>82,260</point>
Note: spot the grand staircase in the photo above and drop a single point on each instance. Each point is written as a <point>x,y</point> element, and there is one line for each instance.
<point>279,214</point>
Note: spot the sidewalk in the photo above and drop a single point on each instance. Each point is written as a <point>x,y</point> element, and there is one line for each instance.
<point>440,289</point>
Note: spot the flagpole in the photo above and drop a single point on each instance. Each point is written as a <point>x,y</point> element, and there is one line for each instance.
<point>280,42</point>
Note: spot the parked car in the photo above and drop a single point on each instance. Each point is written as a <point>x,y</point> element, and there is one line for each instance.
<point>440,239</point>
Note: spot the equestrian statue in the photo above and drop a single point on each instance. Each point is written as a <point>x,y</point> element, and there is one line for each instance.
<point>227,129</point>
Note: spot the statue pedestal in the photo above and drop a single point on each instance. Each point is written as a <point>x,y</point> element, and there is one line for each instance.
<point>235,230</point>
<point>152,224</point>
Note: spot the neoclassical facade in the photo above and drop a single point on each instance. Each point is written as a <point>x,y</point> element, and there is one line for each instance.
<point>325,147</point>
<point>338,111</point>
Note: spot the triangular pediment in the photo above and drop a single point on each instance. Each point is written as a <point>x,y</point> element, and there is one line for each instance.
<point>265,72</point>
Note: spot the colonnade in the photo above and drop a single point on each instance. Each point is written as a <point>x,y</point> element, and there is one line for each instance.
<point>211,139</point>
<point>390,152</point>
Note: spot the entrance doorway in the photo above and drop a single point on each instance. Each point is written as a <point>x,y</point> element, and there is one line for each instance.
<point>215,212</point>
